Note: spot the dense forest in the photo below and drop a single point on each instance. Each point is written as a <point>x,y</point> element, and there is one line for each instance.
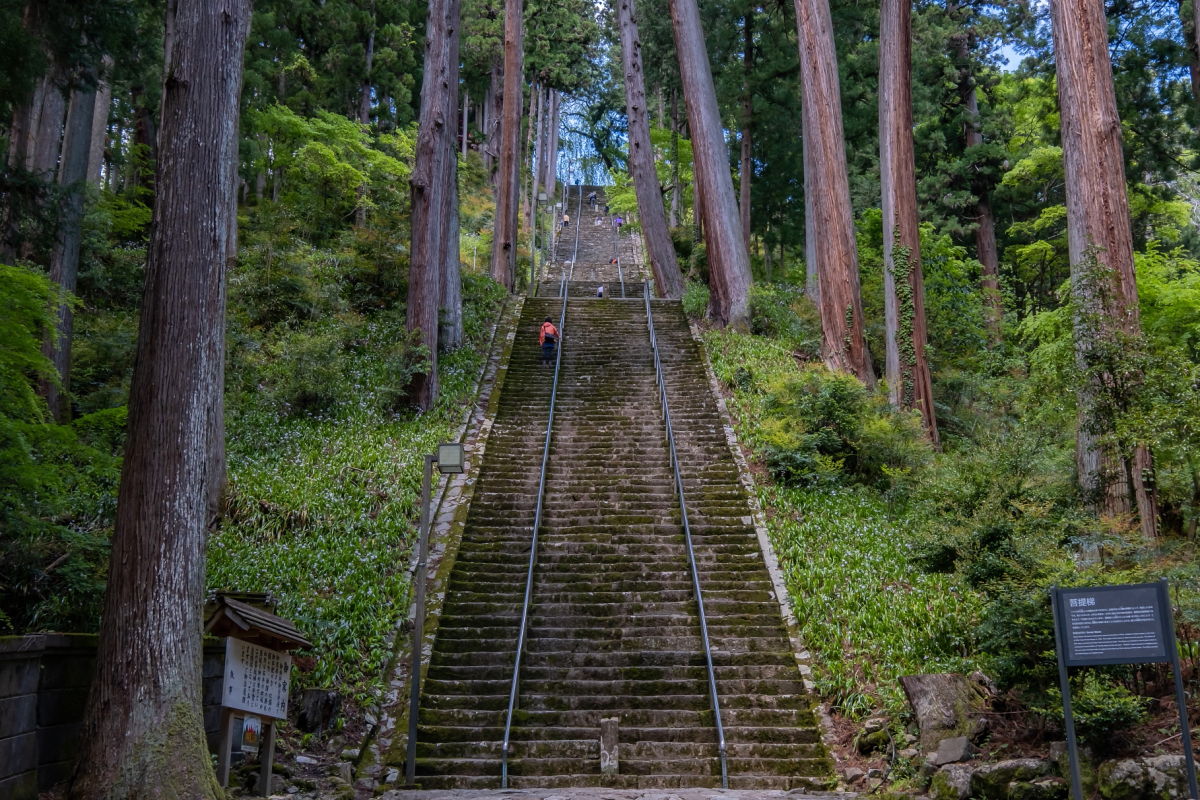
<point>945,254</point>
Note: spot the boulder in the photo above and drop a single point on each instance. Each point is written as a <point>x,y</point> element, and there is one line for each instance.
<point>951,782</point>
<point>1155,778</point>
<point>868,742</point>
<point>991,781</point>
<point>1041,789</point>
<point>952,750</point>
<point>318,709</point>
<point>947,705</point>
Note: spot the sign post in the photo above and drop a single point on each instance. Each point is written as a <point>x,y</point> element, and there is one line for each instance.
<point>1124,624</point>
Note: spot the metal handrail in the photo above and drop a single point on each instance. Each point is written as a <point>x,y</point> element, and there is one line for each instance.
<point>537,522</point>
<point>687,535</point>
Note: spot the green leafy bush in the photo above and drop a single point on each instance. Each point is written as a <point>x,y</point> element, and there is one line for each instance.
<point>820,425</point>
<point>785,314</point>
<point>56,492</point>
<point>695,300</point>
<point>1101,708</point>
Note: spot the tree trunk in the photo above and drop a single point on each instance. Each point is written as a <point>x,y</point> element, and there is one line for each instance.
<point>504,237</point>
<point>450,328</point>
<point>531,147</point>
<point>1191,29</point>
<point>143,733</point>
<point>728,263</point>
<point>64,257</point>
<point>364,92</point>
<point>103,105</point>
<point>429,203</point>
<point>659,249</point>
<point>745,165</point>
<point>675,211</point>
<point>829,217</point>
<point>985,224</point>
<point>466,112</point>
<point>492,112</point>
<point>47,140</point>
<point>1100,243</point>
<point>550,178</point>
<point>909,383</point>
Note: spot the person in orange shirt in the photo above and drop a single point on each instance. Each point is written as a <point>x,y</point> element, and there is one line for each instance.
<point>547,338</point>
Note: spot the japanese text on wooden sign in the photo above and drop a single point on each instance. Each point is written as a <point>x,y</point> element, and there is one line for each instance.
<point>256,679</point>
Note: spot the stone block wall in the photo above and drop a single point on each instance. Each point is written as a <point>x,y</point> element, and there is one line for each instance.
<point>44,680</point>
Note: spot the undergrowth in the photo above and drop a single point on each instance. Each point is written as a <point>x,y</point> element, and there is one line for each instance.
<point>866,612</point>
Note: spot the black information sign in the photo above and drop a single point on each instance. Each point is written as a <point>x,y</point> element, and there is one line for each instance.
<point>1114,624</point>
<point>1129,624</point>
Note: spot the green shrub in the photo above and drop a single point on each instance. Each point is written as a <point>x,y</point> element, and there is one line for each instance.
<point>819,425</point>
<point>785,314</point>
<point>1101,708</point>
<point>695,300</point>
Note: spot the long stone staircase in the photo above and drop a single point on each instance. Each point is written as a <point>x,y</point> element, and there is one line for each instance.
<point>613,630</point>
<point>584,252</point>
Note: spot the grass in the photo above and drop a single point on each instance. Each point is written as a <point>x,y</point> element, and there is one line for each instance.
<point>322,511</point>
<point>866,612</point>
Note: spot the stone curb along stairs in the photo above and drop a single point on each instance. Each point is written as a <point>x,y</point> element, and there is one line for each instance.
<point>613,631</point>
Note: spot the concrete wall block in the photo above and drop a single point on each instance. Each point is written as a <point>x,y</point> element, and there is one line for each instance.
<point>56,706</point>
<point>59,742</point>
<point>18,754</point>
<point>19,787</point>
<point>17,715</point>
<point>19,675</point>
<point>68,670</point>
<point>51,775</point>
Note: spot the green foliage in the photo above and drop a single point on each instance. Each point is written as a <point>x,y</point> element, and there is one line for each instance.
<point>322,506</point>
<point>784,314</point>
<point>695,300</point>
<point>1100,708</point>
<point>820,427</point>
<point>330,166</point>
<point>56,487</point>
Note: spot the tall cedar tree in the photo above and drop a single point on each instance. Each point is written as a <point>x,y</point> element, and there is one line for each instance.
<point>64,257</point>
<point>986,250</point>
<point>909,383</point>
<point>728,262</point>
<point>641,161</point>
<point>450,335</point>
<point>1100,242</point>
<point>143,729</point>
<point>504,235</point>
<point>829,219</point>
<point>435,164</point>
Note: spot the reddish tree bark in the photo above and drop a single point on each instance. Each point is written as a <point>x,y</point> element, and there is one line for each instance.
<point>728,262</point>
<point>909,382</point>
<point>143,732</point>
<point>659,249</point>
<point>829,219</point>
<point>504,235</point>
<point>745,165</point>
<point>431,170</point>
<point>1100,243</point>
<point>450,331</point>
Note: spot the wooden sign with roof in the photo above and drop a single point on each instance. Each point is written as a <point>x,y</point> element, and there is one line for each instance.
<point>257,672</point>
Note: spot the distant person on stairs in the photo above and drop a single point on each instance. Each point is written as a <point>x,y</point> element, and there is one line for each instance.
<point>547,338</point>
<point>600,291</point>
<point>566,220</point>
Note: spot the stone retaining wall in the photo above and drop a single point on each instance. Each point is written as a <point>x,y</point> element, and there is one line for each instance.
<point>44,680</point>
